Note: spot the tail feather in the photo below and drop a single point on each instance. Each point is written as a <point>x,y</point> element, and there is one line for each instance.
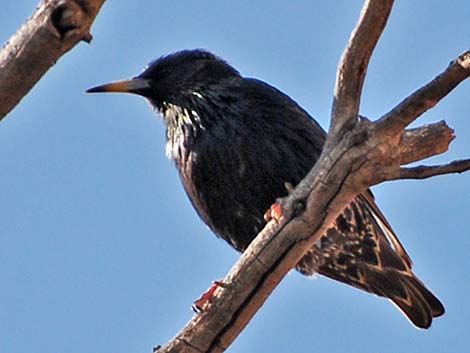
<point>415,301</point>
<point>437,309</point>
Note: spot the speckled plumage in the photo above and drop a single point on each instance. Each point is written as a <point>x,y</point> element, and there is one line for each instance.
<point>236,141</point>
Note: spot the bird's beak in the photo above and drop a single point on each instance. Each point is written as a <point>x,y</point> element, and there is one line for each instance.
<point>134,85</point>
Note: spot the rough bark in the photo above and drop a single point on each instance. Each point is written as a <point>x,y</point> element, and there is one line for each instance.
<point>54,28</point>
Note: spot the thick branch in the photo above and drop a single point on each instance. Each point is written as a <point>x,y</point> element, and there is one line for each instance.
<point>353,64</point>
<point>54,29</point>
<point>425,171</point>
<point>426,97</point>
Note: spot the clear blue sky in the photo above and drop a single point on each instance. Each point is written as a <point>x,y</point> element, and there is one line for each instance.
<point>100,251</point>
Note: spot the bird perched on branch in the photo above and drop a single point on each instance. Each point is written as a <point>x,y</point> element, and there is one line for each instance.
<point>236,141</point>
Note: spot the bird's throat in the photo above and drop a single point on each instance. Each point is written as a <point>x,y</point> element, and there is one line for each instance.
<point>183,127</point>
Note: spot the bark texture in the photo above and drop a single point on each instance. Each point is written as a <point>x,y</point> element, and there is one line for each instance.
<point>55,27</point>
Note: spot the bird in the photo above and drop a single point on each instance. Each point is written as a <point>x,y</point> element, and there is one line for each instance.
<point>236,141</point>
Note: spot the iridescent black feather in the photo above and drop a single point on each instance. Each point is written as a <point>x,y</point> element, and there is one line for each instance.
<point>236,141</point>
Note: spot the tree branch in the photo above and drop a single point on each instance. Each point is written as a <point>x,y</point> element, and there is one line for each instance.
<point>425,141</point>
<point>55,27</point>
<point>352,67</point>
<point>424,171</point>
<point>426,97</point>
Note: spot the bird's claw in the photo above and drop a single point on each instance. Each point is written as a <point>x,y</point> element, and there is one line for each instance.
<point>274,213</point>
<point>200,303</point>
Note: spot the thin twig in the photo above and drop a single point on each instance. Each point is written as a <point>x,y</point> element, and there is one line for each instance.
<point>426,171</point>
<point>425,98</point>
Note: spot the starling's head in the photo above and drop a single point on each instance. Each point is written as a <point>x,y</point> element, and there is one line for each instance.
<point>172,77</point>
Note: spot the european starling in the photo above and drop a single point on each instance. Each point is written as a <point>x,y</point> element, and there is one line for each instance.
<point>236,141</point>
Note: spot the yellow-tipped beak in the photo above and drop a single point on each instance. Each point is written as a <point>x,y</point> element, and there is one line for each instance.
<point>134,85</point>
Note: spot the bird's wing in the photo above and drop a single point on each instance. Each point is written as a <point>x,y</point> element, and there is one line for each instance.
<point>382,222</point>
<point>361,249</point>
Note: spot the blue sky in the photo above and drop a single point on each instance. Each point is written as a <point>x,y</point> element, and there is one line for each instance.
<point>100,251</point>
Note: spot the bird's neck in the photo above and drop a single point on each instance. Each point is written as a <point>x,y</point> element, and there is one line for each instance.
<point>196,117</point>
<point>184,126</point>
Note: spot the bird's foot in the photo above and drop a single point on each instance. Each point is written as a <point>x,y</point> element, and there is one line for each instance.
<point>274,213</point>
<point>200,303</point>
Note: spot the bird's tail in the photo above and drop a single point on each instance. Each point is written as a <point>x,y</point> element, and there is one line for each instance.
<point>408,293</point>
<point>361,249</point>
